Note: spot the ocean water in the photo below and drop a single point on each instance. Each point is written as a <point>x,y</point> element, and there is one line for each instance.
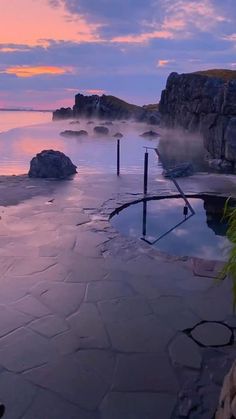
<point>13,119</point>
<point>24,134</point>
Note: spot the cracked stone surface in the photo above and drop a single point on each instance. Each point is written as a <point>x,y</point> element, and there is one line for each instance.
<point>94,325</point>
<point>137,406</point>
<point>185,352</point>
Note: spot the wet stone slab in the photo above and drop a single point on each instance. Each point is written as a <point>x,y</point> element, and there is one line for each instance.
<point>91,322</point>
<point>137,406</point>
<point>185,352</point>
<point>83,379</point>
<point>212,334</point>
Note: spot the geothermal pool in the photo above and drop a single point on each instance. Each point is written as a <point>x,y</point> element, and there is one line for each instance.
<point>162,224</point>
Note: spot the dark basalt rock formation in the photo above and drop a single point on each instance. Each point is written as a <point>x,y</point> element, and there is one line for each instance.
<point>109,108</point>
<point>101,130</point>
<point>51,164</point>
<point>63,113</point>
<point>204,102</point>
<point>71,133</point>
<point>150,134</point>
<point>181,170</point>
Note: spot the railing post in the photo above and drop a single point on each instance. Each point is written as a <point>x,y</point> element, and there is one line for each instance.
<point>145,179</point>
<point>118,158</point>
<point>144,218</point>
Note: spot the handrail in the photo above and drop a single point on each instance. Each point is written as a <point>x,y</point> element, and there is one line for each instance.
<point>173,179</point>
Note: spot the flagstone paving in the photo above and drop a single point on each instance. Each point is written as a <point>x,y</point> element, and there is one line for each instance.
<point>94,325</point>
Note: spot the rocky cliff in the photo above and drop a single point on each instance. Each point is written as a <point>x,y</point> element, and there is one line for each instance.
<point>204,102</point>
<point>108,107</point>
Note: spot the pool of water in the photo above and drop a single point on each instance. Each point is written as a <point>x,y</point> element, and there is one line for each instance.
<point>162,224</point>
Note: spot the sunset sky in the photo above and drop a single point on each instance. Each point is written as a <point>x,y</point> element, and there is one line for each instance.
<point>52,49</point>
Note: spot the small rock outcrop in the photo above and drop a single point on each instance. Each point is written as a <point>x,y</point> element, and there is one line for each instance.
<point>109,108</point>
<point>63,113</point>
<point>71,133</point>
<point>51,164</point>
<point>100,130</point>
<point>181,170</point>
<point>118,135</point>
<point>204,102</point>
<point>150,134</point>
<point>74,122</point>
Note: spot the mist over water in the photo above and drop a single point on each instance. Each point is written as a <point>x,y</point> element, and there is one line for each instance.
<point>178,146</point>
<point>93,153</point>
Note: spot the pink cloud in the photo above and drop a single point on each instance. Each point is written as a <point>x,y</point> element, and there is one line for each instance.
<point>143,37</point>
<point>163,63</point>
<point>39,22</point>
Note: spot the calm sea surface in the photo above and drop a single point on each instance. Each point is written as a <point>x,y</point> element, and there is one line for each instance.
<point>12,119</point>
<point>24,134</point>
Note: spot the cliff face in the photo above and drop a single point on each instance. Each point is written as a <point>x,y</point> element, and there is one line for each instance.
<point>204,102</point>
<point>108,107</point>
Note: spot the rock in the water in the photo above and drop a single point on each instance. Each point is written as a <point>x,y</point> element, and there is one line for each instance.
<point>181,170</point>
<point>63,113</point>
<point>74,122</point>
<point>204,102</point>
<point>107,123</point>
<point>51,164</point>
<point>108,108</point>
<point>150,134</point>
<point>90,122</point>
<point>220,165</point>
<point>70,133</point>
<point>118,135</point>
<point>101,130</point>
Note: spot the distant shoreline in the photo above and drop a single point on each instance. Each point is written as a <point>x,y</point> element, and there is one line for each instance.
<point>25,110</point>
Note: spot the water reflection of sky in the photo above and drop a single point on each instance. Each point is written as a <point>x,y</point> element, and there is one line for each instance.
<point>193,238</point>
<point>91,154</point>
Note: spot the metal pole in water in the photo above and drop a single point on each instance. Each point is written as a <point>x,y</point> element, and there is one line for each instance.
<point>118,157</point>
<point>145,183</point>
<point>144,218</point>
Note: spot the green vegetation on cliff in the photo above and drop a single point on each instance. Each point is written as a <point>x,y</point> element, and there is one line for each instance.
<point>115,101</point>
<point>223,74</point>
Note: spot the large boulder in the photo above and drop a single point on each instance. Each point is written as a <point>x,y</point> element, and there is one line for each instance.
<point>51,164</point>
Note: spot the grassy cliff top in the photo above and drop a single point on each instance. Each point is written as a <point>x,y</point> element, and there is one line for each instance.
<point>219,73</point>
<point>113,100</point>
